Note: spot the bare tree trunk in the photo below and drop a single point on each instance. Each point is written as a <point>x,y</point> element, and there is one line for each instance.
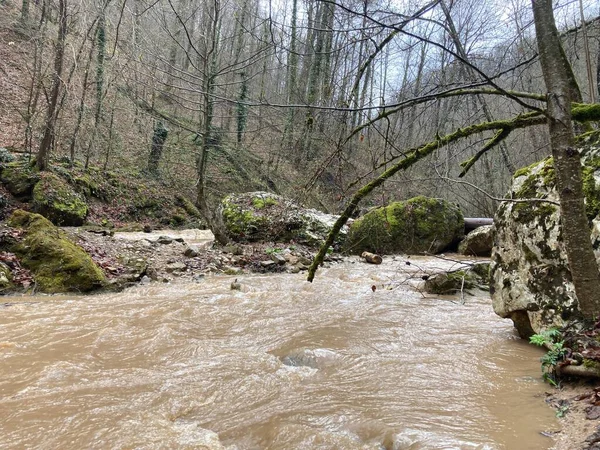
<point>81,108</point>
<point>562,90</point>
<point>25,11</point>
<point>209,60</point>
<point>100,57</point>
<point>44,151</point>
<point>471,76</point>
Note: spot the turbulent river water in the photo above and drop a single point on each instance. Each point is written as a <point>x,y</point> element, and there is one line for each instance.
<point>279,364</point>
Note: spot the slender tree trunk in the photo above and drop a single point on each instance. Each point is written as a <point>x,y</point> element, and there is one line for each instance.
<point>209,60</point>
<point>45,147</point>
<point>471,76</point>
<point>242,109</point>
<point>81,108</point>
<point>110,143</point>
<point>588,57</point>
<point>562,90</point>
<point>100,57</point>
<point>292,71</point>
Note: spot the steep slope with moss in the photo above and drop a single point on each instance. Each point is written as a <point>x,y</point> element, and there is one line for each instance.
<point>73,195</point>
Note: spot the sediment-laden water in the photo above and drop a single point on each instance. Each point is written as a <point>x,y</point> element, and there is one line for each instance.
<point>281,364</point>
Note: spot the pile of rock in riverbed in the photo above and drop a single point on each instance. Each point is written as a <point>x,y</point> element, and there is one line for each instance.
<point>167,255</point>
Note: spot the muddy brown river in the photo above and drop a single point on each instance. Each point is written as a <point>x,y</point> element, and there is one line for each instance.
<point>280,364</point>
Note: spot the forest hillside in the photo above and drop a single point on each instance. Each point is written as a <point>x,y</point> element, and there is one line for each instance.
<point>307,100</point>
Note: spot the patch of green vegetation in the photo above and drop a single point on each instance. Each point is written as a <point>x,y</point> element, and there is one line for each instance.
<point>548,173</point>
<point>57,264</point>
<point>545,176</point>
<point>525,170</point>
<point>529,188</point>
<point>239,222</point>
<point>552,339</point>
<point>272,251</point>
<point>450,282</point>
<point>591,364</point>
<point>586,112</point>
<point>188,206</point>
<point>6,278</point>
<point>482,270</point>
<point>527,212</point>
<point>177,220</point>
<point>562,411</point>
<point>87,186</point>
<point>262,202</point>
<point>587,138</point>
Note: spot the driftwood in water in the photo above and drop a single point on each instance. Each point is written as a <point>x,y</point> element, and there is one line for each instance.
<point>372,258</point>
<point>475,222</point>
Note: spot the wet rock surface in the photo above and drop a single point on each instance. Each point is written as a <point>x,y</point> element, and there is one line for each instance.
<point>530,278</point>
<point>478,242</point>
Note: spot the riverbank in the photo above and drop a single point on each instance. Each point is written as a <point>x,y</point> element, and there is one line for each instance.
<point>575,403</point>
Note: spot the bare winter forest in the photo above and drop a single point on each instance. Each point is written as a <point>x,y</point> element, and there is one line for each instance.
<point>307,98</point>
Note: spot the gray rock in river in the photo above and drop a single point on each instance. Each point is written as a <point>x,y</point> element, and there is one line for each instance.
<point>530,278</point>
<point>262,216</point>
<point>478,242</point>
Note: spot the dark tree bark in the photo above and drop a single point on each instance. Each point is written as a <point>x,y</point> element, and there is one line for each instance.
<point>43,157</point>
<point>158,142</point>
<point>598,73</point>
<point>562,90</point>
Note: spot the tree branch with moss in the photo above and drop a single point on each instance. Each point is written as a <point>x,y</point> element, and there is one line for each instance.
<point>580,112</point>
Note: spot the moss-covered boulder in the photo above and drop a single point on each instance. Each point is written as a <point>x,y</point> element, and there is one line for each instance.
<point>56,200</point>
<point>57,264</point>
<point>6,278</point>
<point>530,278</point>
<point>19,177</point>
<point>262,216</point>
<point>418,225</point>
<point>478,242</point>
<point>450,282</point>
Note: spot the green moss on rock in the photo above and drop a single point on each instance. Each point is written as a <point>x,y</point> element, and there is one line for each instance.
<point>262,202</point>
<point>189,207</point>
<point>591,191</point>
<point>57,264</point>
<point>19,177</point>
<point>55,199</point>
<point>6,278</point>
<point>241,222</point>
<point>527,212</point>
<point>263,216</point>
<point>418,225</point>
<point>450,282</point>
<point>87,186</point>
